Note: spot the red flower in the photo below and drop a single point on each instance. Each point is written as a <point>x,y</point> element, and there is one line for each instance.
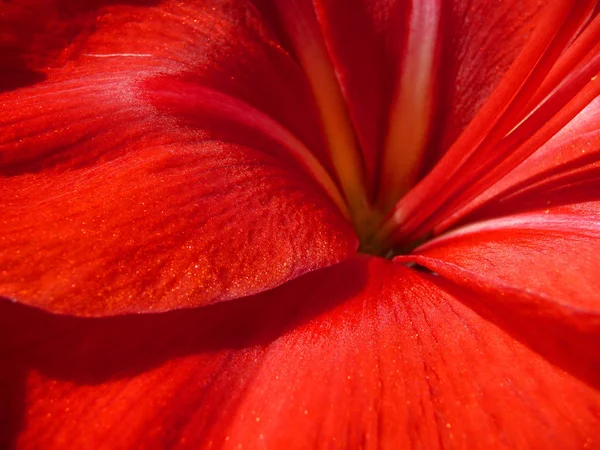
<point>162,157</point>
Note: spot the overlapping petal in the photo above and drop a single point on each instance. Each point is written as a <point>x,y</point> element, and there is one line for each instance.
<point>366,44</point>
<point>365,353</point>
<point>534,272</point>
<point>509,127</point>
<point>481,41</point>
<point>112,204</point>
<point>151,161</point>
<point>562,172</point>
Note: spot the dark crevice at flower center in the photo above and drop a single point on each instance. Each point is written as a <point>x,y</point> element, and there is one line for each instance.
<point>372,246</point>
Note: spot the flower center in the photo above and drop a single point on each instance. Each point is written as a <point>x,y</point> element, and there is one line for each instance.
<point>406,131</point>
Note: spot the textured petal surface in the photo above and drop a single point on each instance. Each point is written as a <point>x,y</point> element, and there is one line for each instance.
<point>362,354</point>
<point>112,203</point>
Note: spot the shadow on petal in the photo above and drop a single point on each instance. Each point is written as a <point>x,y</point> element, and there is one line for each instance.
<point>16,74</point>
<point>90,351</point>
<point>564,334</point>
<point>41,34</point>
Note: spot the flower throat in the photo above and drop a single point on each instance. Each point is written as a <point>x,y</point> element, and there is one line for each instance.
<point>366,196</point>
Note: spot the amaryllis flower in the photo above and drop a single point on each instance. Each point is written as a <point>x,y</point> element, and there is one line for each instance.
<point>300,224</point>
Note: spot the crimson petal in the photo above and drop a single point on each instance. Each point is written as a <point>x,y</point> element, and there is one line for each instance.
<point>564,171</point>
<point>534,272</point>
<point>111,206</point>
<point>366,353</point>
<point>508,129</point>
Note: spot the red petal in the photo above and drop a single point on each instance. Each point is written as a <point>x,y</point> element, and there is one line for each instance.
<point>228,46</point>
<point>508,129</point>
<point>482,40</point>
<point>564,171</point>
<point>37,34</point>
<point>109,206</point>
<point>366,43</point>
<point>364,354</point>
<point>537,273</point>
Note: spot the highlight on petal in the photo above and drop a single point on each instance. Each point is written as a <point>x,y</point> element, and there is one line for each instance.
<point>180,222</point>
<point>339,357</point>
<point>159,166</point>
<point>110,205</point>
<point>220,114</point>
<point>411,111</point>
<point>228,46</point>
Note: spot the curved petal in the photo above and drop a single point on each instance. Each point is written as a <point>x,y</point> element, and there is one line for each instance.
<point>110,205</point>
<point>364,354</point>
<point>165,221</point>
<point>537,273</point>
<point>227,46</point>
